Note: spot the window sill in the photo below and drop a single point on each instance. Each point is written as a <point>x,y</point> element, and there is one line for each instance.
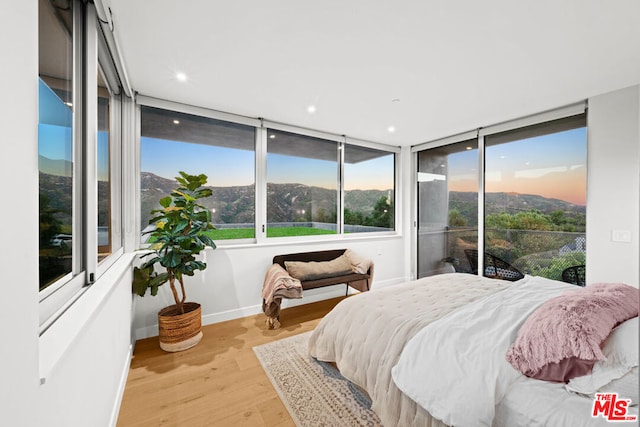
<point>291,241</point>
<point>59,337</point>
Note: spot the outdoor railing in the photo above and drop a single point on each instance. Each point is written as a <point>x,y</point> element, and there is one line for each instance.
<point>542,253</point>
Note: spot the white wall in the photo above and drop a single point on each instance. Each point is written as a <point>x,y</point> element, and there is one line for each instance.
<point>85,381</point>
<point>613,186</point>
<point>19,216</point>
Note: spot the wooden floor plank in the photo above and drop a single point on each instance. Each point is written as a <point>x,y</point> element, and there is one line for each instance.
<point>219,382</point>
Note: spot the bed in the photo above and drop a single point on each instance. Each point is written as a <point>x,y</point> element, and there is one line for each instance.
<point>461,326</point>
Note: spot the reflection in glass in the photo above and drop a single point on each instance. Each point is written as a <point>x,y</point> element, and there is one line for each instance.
<point>368,190</point>
<point>55,141</point>
<point>104,183</point>
<point>172,142</point>
<point>302,185</point>
<point>447,207</point>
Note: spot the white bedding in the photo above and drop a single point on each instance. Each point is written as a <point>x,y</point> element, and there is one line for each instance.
<point>535,403</point>
<point>487,328</point>
<point>365,334</point>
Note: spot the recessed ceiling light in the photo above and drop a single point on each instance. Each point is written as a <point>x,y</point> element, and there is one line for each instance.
<point>469,148</point>
<point>176,122</point>
<point>391,129</point>
<point>272,136</point>
<point>68,104</point>
<point>311,109</point>
<point>181,77</point>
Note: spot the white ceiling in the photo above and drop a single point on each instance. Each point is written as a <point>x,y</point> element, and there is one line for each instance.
<point>453,65</point>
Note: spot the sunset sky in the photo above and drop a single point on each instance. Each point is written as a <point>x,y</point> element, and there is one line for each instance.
<point>229,167</point>
<point>553,166</point>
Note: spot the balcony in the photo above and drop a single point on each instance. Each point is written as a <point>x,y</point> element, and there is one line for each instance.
<point>540,253</point>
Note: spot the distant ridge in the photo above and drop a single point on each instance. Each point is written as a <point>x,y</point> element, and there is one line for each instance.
<point>236,204</point>
<point>56,167</point>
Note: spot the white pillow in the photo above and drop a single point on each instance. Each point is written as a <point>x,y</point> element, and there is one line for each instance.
<point>621,352</point>
<point>626,387</point>
<point>359,264</point>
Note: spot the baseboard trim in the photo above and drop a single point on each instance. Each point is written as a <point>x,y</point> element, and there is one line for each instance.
<point>121,386</point>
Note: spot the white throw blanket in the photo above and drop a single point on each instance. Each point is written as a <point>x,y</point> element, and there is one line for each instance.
<point>455,367</point>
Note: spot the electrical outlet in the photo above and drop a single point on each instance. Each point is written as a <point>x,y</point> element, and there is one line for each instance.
<point>623,236</point>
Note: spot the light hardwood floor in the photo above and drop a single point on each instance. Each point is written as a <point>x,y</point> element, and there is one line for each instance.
<point>219,382</point>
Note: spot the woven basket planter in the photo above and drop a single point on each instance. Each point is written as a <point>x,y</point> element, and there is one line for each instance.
<point>179,331</point>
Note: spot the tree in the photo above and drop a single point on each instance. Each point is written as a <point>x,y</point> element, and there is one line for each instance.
<point>49,224</point>
<point>382,215</point>
<point>456,219</point>
<point>353,217</point>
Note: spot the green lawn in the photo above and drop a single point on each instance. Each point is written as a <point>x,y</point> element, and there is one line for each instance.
<point>231,233</point>
<point>296,231</point>
<point>247,233</point>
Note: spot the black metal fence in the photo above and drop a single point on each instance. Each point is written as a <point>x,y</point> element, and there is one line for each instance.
<point>540,253</point>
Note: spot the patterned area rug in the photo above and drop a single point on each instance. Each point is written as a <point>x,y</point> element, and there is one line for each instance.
<point>314,393</point>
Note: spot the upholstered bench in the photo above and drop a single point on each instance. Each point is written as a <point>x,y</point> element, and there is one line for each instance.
<point>323,270</point>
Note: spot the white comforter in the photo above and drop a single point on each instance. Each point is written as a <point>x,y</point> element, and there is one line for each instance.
<point>364,335</point>
<point>455,367</point>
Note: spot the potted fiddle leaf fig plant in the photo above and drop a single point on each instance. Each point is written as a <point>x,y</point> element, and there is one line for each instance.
<point>180,233</point>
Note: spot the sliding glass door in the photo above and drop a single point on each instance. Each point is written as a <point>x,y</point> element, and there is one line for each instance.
<point>447,207</point>
<point>533,208</point>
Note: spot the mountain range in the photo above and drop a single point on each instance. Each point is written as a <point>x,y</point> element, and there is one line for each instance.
<point>290,202</point>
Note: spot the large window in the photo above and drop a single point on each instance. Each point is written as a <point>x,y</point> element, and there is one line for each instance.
<point>302,185</point>
<point>290,184</point>
<point>369,183</point>
<point>535,196</point>
<point>76,149</point>
<point>172,142</point>
<point>533,205</point>
<point>56,143</point>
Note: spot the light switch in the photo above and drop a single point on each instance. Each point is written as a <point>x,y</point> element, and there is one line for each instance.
<point>621,236</point>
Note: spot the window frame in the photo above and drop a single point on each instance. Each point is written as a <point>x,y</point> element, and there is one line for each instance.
<point>56,298</point>
<point>339,180</point>
<point>261,126</point>
<point>396,182</point>
<point>567,112</point>
<point>146,101</point>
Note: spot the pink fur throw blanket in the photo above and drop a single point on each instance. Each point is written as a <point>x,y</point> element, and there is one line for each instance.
<point>562,338</point>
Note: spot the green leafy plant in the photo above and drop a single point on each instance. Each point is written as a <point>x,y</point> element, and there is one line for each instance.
<point>179,235</point>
